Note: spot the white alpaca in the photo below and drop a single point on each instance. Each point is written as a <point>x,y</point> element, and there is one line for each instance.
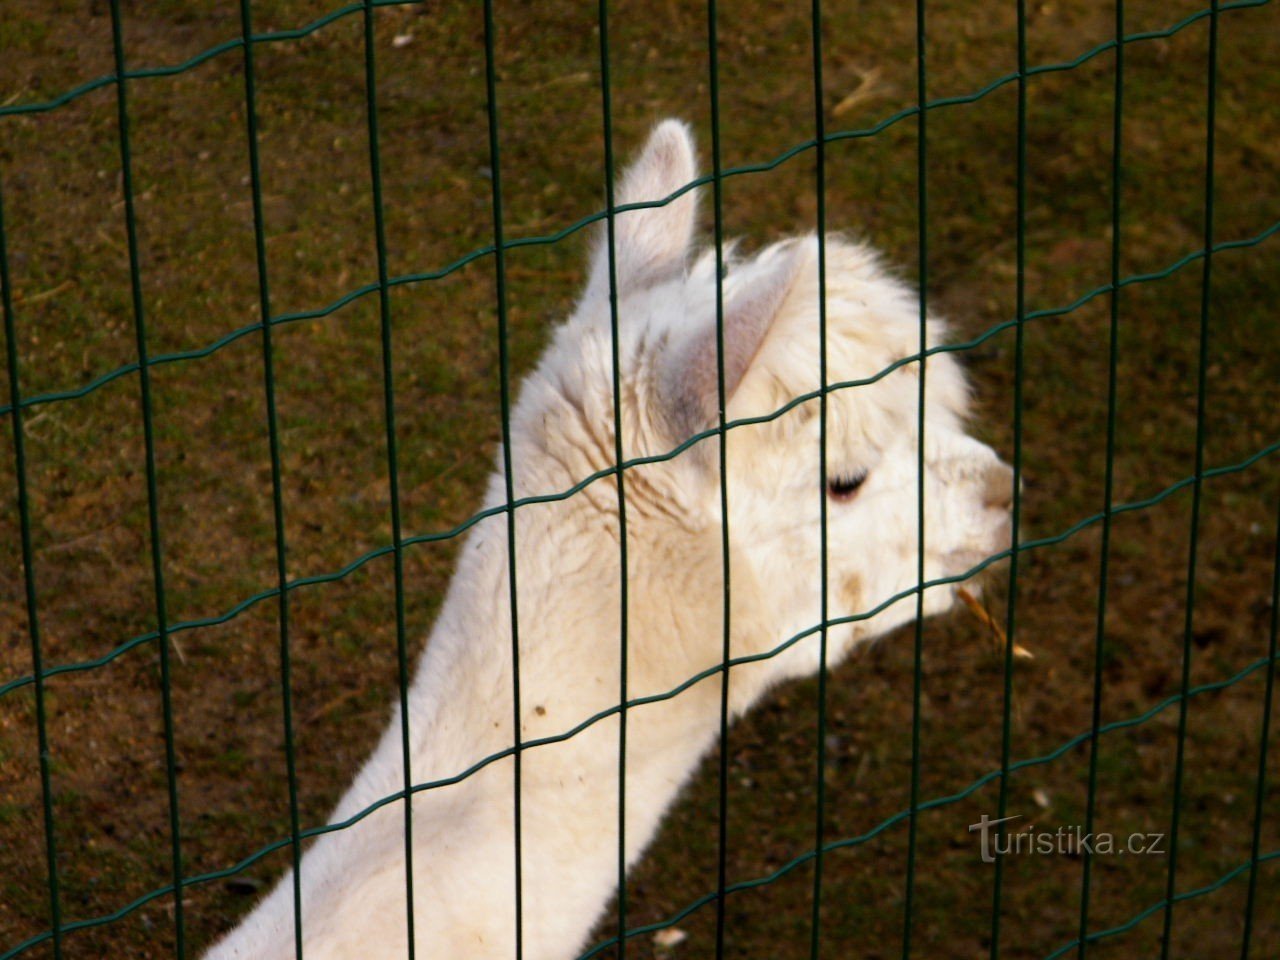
<point>569,580</point>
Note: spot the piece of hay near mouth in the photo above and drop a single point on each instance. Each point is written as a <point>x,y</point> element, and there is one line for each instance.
<point>1001,638</point>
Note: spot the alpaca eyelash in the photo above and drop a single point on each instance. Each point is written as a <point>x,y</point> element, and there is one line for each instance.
<point>843,487</point>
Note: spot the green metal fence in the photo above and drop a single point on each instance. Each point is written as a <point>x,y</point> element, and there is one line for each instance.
<point>64,919</point>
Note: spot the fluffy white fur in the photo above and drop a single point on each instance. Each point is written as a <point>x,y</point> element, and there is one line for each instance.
<point>569,578</point>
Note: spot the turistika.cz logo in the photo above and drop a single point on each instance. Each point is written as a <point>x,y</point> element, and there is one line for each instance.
<point>1066,840</point>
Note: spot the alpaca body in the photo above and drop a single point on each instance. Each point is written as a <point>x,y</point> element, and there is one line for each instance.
<point>569,582</point>
<point>464,848</point>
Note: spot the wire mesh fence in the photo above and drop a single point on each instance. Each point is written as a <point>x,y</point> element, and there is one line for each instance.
<point>234,511</point>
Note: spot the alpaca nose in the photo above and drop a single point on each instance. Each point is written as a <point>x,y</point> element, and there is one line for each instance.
<point>997,490</point>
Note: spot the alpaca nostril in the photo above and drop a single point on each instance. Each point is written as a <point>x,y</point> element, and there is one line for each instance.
<point>998,489</point>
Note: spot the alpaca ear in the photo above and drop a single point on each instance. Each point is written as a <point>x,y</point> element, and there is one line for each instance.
<point>750,309</point>
<point>650,243</point>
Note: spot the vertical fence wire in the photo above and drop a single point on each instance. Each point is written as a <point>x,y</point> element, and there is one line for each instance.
<point>606,113</point>
<point>917,673</point>
<point>717,186</point>
<point>1260,788</point>
<point>504,374</point>
<point>1108,481</point>
<point>277,480</point>
<point>29,584</point>
<point>156,542</point>
<point>1206,295</point>
<point>1015,519</point>
<point>820,177</point>
<point>149,444</point>
<point>393,456</point>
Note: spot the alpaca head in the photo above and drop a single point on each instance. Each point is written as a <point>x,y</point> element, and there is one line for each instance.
<point>672,365</point>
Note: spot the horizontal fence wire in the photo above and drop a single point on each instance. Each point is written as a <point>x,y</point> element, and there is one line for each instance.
<point>17,403</point>
<point>43,106</point>
<point>1268,662</point>
<point>371,288</point>
<point>477,517</point>
<point>1249,867</point>
<point>311,832</point>
<point>227,46</point>
<point>553,238</point>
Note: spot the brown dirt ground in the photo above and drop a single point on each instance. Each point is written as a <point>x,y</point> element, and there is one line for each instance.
<point>63,209</point>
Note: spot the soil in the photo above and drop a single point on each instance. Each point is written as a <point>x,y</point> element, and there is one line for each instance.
<point>86,478</point>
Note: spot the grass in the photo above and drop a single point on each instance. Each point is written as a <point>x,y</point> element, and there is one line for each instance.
<point>60,177</point>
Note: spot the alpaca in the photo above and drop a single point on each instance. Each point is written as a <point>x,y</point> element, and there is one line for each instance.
<point>569,579</point>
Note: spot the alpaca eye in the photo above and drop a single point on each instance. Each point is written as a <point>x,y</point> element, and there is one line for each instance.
<point>845,486</point>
